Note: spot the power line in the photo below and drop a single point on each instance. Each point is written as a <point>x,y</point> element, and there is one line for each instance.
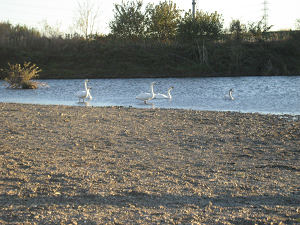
<point>33,6</point>
<point>239,7</point>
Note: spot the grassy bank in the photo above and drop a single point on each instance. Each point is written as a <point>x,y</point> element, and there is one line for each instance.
<point>70,59</point>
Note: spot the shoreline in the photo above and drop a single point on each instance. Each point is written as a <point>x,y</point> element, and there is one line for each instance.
<point>288,115</point>
<point>117,165</point>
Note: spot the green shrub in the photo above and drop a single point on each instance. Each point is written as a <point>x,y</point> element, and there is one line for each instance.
<point>18,76</point>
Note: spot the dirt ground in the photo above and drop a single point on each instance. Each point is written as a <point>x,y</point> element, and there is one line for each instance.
<point>114,165</point>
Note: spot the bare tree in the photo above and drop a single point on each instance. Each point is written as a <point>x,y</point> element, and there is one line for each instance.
<point>50,31</point>
<point>86,16</point>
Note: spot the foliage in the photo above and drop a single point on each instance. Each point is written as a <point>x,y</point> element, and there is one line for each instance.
<point>16,36</point>
<point>163,20</point>
<point>258,29</point>
<point>204,25</point>
<point>133,52</point>
<point>297,24</point>
<point>20,76</point>
<point>238,30</point>
<point>158,22</point>
<point>129,20</point>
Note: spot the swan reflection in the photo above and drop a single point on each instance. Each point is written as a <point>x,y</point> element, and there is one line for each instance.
<point>82,104</point>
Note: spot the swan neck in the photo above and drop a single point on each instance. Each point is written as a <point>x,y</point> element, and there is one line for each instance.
<point>87,92</point>
<point>169,94</point>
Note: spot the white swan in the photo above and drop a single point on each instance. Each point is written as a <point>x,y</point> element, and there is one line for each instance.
<point>85,88</point>
<point>228,97</point>
<point>84,94</point>
<point>89,94</point>
<point>85,84</point>
<point>162,96</point>
<point>146,96</point>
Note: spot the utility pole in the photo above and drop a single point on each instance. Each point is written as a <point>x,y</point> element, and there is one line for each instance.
<point>194,3</point>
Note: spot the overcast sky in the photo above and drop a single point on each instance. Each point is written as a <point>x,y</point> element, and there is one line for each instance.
<point>282,14</point>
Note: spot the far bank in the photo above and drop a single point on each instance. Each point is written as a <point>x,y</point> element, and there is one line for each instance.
<point>112,59</point>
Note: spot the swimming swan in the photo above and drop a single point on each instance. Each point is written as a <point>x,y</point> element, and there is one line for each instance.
<point>84,94</point>
<point>161,96</point>
<point>146,96</point>
<point>228,97</point>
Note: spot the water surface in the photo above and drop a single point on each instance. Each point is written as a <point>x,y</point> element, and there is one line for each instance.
<point>272,95</point>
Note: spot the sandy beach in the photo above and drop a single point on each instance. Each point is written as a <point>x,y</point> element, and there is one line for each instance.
<point>115,165</point>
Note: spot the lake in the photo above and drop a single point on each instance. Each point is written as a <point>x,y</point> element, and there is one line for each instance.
<point>267,95</point>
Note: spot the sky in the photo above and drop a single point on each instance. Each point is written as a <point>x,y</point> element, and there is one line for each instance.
<point>60,13</point>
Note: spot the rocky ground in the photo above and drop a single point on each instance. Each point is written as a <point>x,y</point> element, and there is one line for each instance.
<point>94,165</point>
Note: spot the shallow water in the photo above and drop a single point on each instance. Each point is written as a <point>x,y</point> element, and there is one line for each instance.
<point>272,95</point>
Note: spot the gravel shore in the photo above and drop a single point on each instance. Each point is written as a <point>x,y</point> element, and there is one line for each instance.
<point>114,165</point>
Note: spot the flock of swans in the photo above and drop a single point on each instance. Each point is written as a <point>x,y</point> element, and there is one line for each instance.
<point>148,96</point>
<point>142,96</point>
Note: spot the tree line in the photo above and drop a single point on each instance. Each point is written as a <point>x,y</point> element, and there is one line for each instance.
<point>184,44</point>
<point>162,22</point>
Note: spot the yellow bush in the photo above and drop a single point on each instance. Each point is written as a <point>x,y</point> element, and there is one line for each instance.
<point>20,76</point>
